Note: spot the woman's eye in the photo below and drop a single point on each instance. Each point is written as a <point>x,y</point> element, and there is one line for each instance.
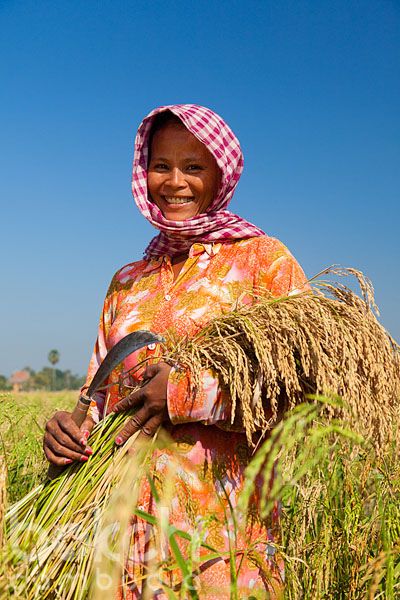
<point>160,166</point>
<point>195,168</point>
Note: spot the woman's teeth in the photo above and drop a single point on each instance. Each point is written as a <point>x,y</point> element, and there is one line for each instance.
<point>176,200</point>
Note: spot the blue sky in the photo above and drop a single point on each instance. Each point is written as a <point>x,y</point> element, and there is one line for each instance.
<point>311,88</point>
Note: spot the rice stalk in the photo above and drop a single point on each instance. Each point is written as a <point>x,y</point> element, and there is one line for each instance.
<point>336,521</point>
<point>340,507</point>
<point>340,521</point>
<point>109,557</point>
<point>175,558</point>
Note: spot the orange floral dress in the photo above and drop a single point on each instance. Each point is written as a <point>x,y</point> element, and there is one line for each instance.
<point>212,459</point>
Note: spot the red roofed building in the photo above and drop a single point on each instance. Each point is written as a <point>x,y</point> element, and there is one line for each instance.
<point>18,379</point>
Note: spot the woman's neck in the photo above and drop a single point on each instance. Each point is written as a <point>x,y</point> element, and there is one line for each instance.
<point>177,263</point>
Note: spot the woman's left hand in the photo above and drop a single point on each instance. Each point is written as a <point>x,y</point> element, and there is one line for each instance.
<point>153,396</point>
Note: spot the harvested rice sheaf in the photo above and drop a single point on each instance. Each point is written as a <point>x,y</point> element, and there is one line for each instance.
<point>274,354</point>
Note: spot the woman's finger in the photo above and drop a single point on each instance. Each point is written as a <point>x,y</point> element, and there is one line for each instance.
<point>131,401</point>
<point>62,421</point>
<point>87,426</point>
<point>62,440</point>
<point>61,455</point>
<point>133,425</point>
<point>71,429</point>
<point>59,429</point>
<point>59,461</point>
<point>150,428</point>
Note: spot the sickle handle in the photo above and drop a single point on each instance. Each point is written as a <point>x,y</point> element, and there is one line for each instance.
<point>81,409</point>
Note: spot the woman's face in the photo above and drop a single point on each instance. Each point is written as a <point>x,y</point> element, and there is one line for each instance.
<point>183,177</point>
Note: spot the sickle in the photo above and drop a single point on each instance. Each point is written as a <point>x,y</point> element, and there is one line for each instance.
<point>128,344</point>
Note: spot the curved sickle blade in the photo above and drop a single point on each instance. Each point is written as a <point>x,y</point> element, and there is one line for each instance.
<point>128,344</point>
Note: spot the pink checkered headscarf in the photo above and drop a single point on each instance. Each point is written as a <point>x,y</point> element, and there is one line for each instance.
<point>215,225</point>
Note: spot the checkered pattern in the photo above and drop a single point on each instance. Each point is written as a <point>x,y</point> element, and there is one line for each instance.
<point>217,224</point>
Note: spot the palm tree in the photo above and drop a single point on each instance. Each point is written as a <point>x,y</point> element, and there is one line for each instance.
<point>53,358</point>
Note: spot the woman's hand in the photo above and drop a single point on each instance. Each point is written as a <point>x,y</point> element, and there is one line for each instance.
<point>64,441</point>
<point>153,396</point>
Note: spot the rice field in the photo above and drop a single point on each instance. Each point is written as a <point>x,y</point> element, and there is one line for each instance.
<point>22,420</point>
<point>340,520</point>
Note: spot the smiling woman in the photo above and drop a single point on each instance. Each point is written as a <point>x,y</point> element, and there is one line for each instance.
<point>204,260</point>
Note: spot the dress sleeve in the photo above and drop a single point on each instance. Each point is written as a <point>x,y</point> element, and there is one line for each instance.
<point>96,409</point>
<point>279,272</point>
<point>276,272</point>
<point>209,404</point>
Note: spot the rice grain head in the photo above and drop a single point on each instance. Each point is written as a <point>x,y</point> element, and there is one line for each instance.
<point>276,353</point>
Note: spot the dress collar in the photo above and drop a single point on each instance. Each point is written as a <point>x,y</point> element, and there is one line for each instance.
<point>197,248</point>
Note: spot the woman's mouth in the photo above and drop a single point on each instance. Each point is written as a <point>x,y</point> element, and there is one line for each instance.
<point>178,199</point>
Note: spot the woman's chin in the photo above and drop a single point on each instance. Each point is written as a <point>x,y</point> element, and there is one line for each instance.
<point>180,212</point>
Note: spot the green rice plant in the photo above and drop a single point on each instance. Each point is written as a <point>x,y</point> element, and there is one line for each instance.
<point>3,498</point>
<point>176,557</point>
<point>341,526</point>
<point>22,420</point>
<point>340,517</point>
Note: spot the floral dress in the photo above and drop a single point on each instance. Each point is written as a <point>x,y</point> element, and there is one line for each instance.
<point>211,457</point>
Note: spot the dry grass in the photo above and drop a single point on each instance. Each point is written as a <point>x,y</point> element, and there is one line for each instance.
<point>276,352</point>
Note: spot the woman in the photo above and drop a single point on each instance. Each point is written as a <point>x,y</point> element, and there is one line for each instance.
<point>186,166</point>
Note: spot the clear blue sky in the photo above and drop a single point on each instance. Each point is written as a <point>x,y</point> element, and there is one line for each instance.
<point>311,88</point>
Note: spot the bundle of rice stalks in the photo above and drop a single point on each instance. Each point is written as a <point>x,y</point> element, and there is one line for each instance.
<point>52,532</point>
<point>274,354</point>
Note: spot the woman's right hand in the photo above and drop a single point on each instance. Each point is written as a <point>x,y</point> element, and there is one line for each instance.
<point>64,442</point>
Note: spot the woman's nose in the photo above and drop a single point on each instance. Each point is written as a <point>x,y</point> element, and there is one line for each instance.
<point>176,179</point>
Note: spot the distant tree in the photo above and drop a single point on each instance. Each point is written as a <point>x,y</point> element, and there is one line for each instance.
<point>4,385</point>
<point>53,357</point>
<point>43,379</point>
<point>56,379</point>
<point>74,382</point>
<point>29,370</point>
